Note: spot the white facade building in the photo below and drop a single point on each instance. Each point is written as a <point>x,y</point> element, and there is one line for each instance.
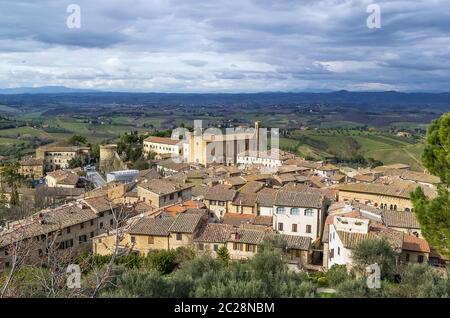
<point>270,159</point>
<point>297,213</point>
<point>341,228</point>
<point>160,145</point>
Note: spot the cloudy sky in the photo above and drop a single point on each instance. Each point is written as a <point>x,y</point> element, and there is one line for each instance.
<point>226,45</point>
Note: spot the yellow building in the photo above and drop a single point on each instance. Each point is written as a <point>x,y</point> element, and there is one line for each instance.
<point>212,237</point>
<point>32,168</point>
<point>244,243</point>
<point>414,250</point>
<point>209,148</point>
<point>64,231</point>
<point>145,234</point>
<point>163,192</point>
<point>394,197</point>
<point>184,228</point>
<point>62,179</point>
<point>58,156</point>
<point>219,199</point>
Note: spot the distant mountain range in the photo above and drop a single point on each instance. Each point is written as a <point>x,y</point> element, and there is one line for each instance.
<point>44,90</point>
<point>368,101</point>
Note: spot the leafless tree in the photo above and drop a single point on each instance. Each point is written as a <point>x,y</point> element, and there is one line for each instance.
<point>103,276</point>
<point>17,252</point>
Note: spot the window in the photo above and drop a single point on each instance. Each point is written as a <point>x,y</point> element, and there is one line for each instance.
<point>250,248</point>
<point>308,228</point>
<point>201,246</point>
<point>101,225</point>
<point>213,202</point>
<point>171,196</point>
<point>281,210</point>
<point>69,243</point>
<point>216,247</point>
<point>82,239</point>
<point>235,246</point>
<point>295,211</point>
<point>407,257</point>
<point>294,227</point>
<point>309,212</point>
<point>92,234</point>
<point>151,240</point>
<point>111,222</point>
<point>339,250</point>
<point>179,236</point>
<point>133,239</point>
<point>82,226</point>
<point>6,252</point>
<point>68,230</point>
<point>280,226</point>
<point>221,203</point>
<point>92,222</point>
<point>419,258</point>
<point>332,253</point>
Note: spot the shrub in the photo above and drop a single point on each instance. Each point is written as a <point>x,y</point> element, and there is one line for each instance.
<point>163,261</point>
<point>337,274</point>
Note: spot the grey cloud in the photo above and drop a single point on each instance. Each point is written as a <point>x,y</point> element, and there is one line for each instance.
<point>226,44</point>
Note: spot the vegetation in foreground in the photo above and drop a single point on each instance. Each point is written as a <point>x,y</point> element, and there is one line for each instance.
<point>180,274</point>
<point>434,214</point>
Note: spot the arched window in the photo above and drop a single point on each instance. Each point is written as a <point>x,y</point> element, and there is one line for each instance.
<point>309,212</point>
<point>407,210</point>
<point>295,211</point>
<point>281,210</point>
<point>391,207</point>
<point>395,207</point>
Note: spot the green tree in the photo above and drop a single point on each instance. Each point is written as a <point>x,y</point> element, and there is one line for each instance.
<point>374,251</point>
<point>12,178</point>
<point>434,214</point>
<point>436,155</point>
<point>77,140</point>
<point>420,280</point>
<point>222,254</point>
<point>76,162</point>
<point>434,218</point>
<point>337,274</point>
<point>163,261</point>
<point>139,283</point>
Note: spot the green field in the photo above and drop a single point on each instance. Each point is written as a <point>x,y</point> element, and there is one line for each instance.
<point>343,143</point>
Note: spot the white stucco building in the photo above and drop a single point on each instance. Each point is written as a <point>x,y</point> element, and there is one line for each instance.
<point>160,145</point>
<point>297,213</point>
<point>271,159</point>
